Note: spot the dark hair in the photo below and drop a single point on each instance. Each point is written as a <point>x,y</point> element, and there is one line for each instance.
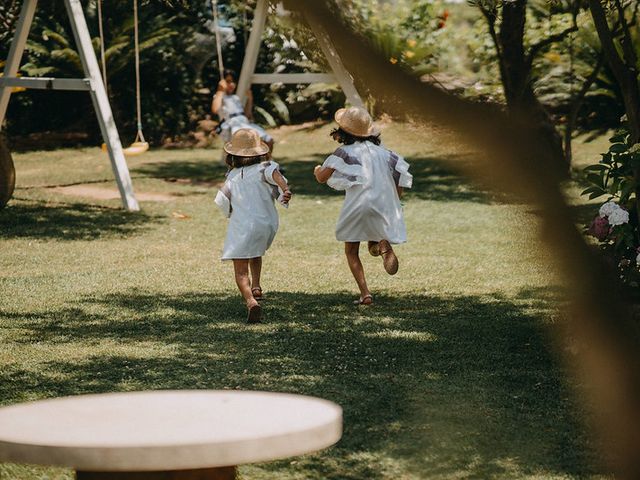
<point>236,161</point>
<point>227,72</point>
<point>341,136</point>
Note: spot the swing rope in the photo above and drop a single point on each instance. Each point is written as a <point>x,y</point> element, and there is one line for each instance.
<point>214,8</point>
<point>139,135</point>
<point>140,145</point>
<point>103,59</point>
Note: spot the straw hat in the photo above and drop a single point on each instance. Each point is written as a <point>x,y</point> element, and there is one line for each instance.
<point>356,121</point>
<point>246,143</point>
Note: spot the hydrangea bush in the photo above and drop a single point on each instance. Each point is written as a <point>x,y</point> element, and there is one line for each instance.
<point>616,225</point>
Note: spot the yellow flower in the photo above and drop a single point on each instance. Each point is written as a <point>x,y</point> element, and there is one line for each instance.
<point>393,60</point>
<point>553,57</point>
<point>409,54</point>
<point>411,42</point>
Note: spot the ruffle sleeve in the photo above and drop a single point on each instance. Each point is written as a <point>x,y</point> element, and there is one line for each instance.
<point>346,174</point>
<point>270,168</point>
<point>400,170</point>
<point>224,202</point>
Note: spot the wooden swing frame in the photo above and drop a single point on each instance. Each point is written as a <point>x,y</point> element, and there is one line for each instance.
<point>339,75</point>
<point>92,83</point>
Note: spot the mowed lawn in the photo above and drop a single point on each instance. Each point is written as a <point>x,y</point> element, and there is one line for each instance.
<point>451,374</point>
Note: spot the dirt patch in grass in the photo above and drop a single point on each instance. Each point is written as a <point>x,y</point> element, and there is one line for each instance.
<point>102,193</point>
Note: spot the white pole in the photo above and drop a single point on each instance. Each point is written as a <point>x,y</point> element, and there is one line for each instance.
<point>101,104</point>
<point>335,62</point>
<point>252,49</point>
<point>15,52</point>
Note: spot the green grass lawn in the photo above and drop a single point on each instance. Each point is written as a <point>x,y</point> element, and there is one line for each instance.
<point>450,375</point>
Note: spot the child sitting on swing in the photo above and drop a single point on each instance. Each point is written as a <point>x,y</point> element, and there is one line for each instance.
<point>233,113</point>
<point>372,178</point>
<point>247,199</point>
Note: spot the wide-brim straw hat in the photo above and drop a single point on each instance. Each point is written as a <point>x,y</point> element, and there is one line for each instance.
<point>246,142</point>
<point>356,121</point>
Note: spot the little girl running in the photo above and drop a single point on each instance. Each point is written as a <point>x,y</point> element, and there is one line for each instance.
<point>373,178</point>
<point>247,199</point>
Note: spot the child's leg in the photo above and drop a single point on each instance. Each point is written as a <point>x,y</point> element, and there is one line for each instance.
<point>255,266</point>
<point>241,269</point>
<point>351,249</point>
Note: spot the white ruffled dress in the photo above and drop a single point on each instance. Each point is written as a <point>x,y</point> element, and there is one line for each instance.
<point>369,175</point>
<point>232,112</point>
<point>247,199</point>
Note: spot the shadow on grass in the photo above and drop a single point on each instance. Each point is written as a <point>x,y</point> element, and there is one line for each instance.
<point>434,178</point>
<point>449,387</point>
<point>204,171</point>
<point>585,213</point>
<point>68,221</point>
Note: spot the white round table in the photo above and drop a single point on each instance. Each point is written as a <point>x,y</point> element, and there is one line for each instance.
<point>189,434</point>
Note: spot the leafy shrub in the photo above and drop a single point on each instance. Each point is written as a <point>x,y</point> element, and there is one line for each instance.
<point>616,225</point>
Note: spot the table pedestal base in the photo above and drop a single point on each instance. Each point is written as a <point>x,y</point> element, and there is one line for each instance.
<point>221,473</point>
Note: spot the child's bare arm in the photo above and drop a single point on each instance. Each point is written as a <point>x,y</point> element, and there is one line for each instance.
<point>216,103</point>
<point>322,173</point>
<point>400,191</point>
<point>284,186</point>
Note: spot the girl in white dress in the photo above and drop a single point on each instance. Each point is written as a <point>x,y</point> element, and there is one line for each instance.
<point>372,178</point>
<point>247,199</point>
<point>233,113</point>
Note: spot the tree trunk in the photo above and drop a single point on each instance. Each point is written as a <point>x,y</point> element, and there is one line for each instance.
<point>522,103</point>
<point>624,69</point>
<point>576,105</point>
<point>7,172</point>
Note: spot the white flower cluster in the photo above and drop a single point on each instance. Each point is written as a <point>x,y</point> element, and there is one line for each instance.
<point>614,213</point>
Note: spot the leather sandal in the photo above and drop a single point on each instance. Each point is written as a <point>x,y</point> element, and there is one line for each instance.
<point>257,293</point>
<point>374,248</point>
<point>366,300</point>
<point>389,259</point>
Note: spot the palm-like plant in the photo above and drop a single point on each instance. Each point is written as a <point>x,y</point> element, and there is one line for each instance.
<point>9,10</point>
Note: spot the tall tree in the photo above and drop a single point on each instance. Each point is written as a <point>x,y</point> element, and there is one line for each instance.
<point>619,51</point>
<point>506,21</point>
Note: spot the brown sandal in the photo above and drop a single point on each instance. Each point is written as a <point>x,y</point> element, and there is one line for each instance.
<point>374,248</point>
<point>259,296</point>
<point>389,259</point>
<point>255,314</point>
<point>366,300</point>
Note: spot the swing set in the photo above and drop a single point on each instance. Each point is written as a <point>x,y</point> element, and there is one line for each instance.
<point>139,145</point>
<point>95,80</point>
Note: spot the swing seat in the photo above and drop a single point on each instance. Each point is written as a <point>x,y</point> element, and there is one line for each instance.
<point>136,148</point>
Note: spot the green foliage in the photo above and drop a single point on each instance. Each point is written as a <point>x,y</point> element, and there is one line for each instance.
<point>9,10</point>
<point>166,82</point>
<point>613,176</point>
<point>559,70</point>
<point>177,49</point>
<point>613,179</point>
<point>408,32</point>
<point>179,64</point>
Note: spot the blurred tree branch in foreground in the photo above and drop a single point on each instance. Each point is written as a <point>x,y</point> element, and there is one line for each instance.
<point>513,160</point>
